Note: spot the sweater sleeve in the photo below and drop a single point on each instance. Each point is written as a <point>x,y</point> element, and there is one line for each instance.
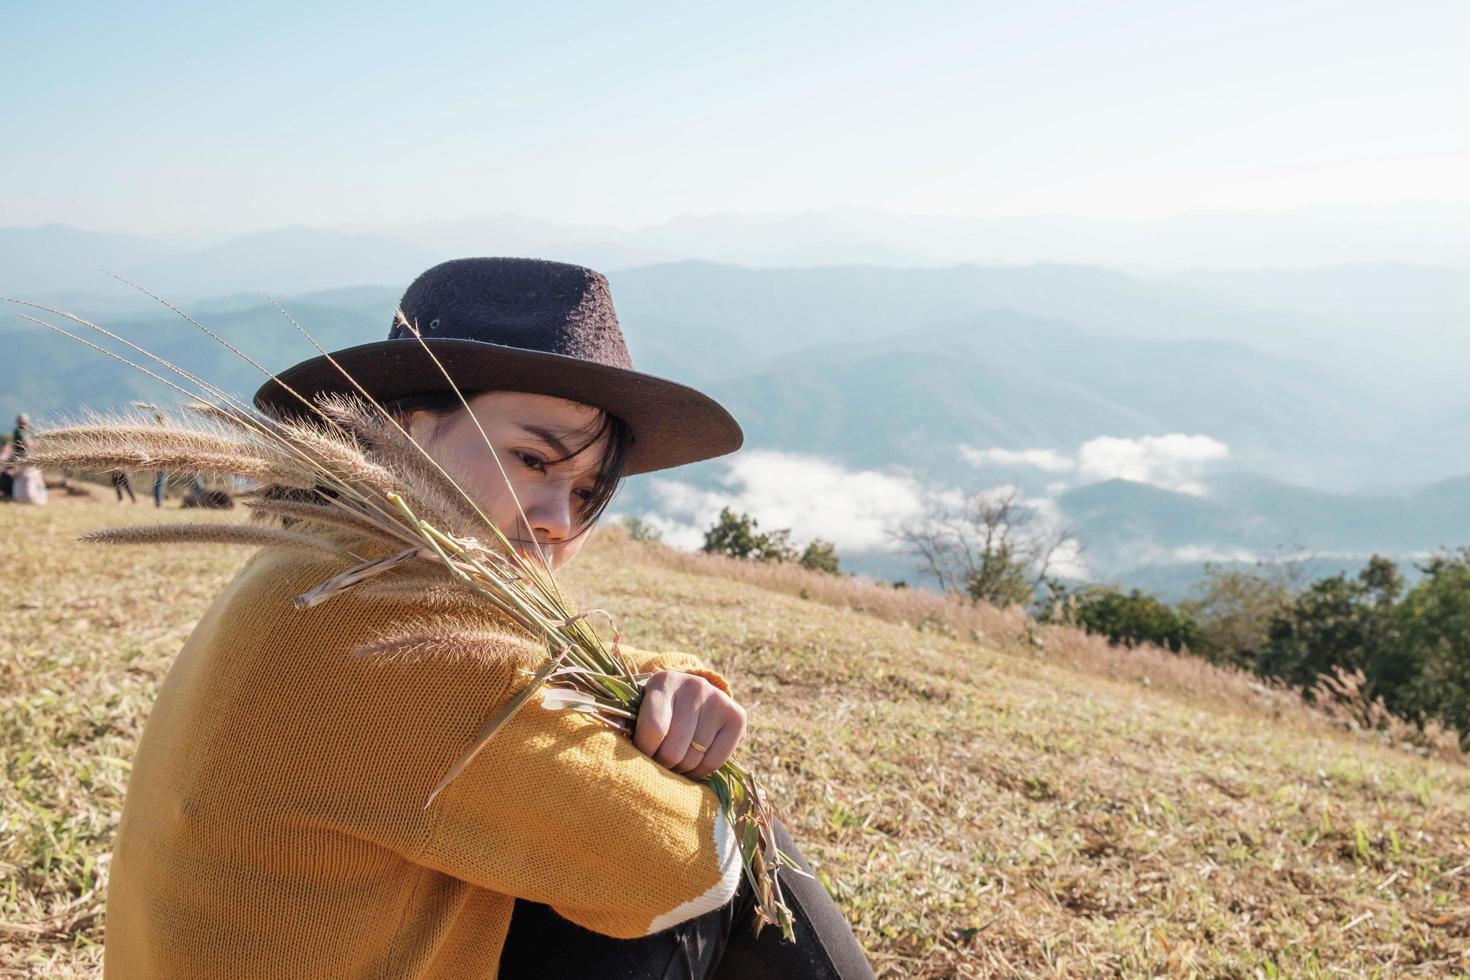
<point>561,810</point>
<point>556,807</point>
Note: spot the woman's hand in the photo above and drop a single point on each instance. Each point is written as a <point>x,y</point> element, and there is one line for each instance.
<point>681,710</point>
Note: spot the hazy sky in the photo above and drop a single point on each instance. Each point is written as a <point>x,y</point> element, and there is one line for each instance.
<point>174,116</point>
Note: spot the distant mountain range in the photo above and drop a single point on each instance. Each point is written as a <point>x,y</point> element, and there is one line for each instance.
<point>1433,236</point>
<point>1337,390</point>
<point>1378,292</point>
<point>1246,514</point>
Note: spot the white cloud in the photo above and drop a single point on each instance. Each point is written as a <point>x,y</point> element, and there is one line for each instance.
<point>1175,461</point>
<point>1046,460</point>
<point>854,509</point>
<point>1200,553</point>
<point>1068,562</point>
<point>857,509</point>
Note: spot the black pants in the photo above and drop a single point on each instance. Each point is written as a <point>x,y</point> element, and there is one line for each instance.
<point>718,945</point>
<point>120,482</point>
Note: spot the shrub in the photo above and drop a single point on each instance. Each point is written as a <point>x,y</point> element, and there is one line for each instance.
<point>1133,618</point>
<point>820,556</point>
<point>1432,665</point>
<point>736,535</point>
<point>1233,609</point>
<point>641,530</point>
<point>1337,622</point>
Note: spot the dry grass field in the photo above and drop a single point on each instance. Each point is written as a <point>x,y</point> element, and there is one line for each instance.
<point>984,799</point>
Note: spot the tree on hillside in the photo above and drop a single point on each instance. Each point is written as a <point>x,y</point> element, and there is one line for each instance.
<point>993,548</point>
<point>820,556</point>
<point>1233,609</point>
<point>640,529</point>
<point>737,535</point>
<point>1126,618</point>
<point>1338,622</point>
<point>1432,665</point>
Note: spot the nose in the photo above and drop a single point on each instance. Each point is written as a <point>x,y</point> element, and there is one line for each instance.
<point>549,513</point>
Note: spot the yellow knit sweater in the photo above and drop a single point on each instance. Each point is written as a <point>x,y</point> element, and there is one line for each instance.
<point>275,827</point>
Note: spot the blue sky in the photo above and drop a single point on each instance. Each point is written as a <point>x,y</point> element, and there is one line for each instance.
<point>167,117</point>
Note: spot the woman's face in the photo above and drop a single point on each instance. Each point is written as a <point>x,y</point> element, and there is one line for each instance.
<point>528,432</point>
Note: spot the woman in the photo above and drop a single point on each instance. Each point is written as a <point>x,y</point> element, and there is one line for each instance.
<point>275,823</point>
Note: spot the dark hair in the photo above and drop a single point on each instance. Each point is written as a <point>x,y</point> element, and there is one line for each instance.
<point>610,466</point>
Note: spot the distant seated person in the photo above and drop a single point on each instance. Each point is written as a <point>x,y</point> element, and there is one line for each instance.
<point>200,495</point>
<point>27,485</point>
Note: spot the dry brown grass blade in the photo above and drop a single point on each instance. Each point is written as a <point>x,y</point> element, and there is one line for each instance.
<point>224,408</point>
<point>355,576</point>
<point>208,390</point>
<point>223,397</point>
<point>496,722</point>
<point>233,444</point>
<point>111,354</point>
<point>231,410</point>
<point>238,534</point>
<point>234,418</point>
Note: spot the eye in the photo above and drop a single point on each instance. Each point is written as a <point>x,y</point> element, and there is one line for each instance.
<point>531,461</point>
<point>584,494</point>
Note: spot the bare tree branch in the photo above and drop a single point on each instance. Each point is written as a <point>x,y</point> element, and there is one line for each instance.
<point>990,547</point>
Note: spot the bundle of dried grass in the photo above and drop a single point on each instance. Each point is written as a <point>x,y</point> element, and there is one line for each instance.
<point>351,482</point>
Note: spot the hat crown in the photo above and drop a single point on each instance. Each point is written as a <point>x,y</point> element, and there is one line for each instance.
<point>533,304</point>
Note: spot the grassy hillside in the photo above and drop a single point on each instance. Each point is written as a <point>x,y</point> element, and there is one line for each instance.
<point>983,800</point>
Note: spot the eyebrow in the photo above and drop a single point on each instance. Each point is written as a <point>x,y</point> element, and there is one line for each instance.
<point>553,440</point>
<point>547,436</point>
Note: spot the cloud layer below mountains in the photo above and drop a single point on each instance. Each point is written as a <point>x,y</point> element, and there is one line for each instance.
<point>859,510</point>
<point>1174,462</point>
<point>854,509</point>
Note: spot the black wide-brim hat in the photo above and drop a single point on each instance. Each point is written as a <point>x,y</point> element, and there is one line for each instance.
<point>500,324</point>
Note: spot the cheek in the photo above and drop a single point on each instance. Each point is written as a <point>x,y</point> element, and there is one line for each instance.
<point>472,467</point>
<point>498,503</point>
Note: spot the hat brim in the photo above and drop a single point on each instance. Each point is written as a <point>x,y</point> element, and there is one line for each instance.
<point>672,424</point>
